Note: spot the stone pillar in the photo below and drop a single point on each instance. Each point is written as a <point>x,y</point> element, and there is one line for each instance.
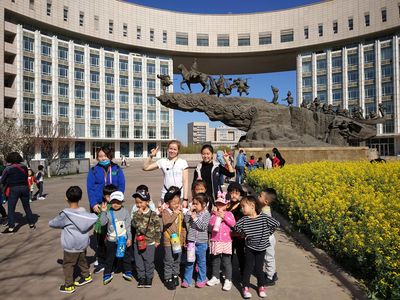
<point>378,82</point>
<point>344,78</point>
<point>299,81</point>
<point>329,76</point>
<point>314,75</point>
<point>361,91</point>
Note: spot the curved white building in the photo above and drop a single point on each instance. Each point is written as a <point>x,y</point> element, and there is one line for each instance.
<point>91,65</point>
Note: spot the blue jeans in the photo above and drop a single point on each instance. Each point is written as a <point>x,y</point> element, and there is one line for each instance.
<point>239,174</point>
<point>17,192</point>
<point>201,250</point>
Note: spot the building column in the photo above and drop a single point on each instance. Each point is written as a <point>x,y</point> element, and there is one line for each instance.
<point>102,98</point>
<point>71,90</point>
<point>130,98</point>
<point>361,89</point>
<point>299,76</point>
<point>171,90</point>
<point>314,75</point>
<point>329,76</point>
<point>37,69</point>
<point>72,149</point>
<point>117,122</point>
<point>117,152</point>
<point>396,84</point>
<point>131,150</point>
<point>158,109</point>
<point>19,81</point>
<point>87,93</point>
<point>378,85</point>
<point>88,151</point>
<point>54,78</point>
<point>344,78</point>
<point>144,100</point>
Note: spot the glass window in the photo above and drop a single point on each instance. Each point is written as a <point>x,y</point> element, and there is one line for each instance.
<point>388,126</point>
<point>124,133</point>
<point>151,100</point>
<point>125,29</point>
<point>28,64</point>
<point>151,35</point>
<point>95,112</point>
<point>164,35</point>
<point>337,95</point>
<point>352,60</point>
<point>109,113</point>
<point>223,40</point>
<point>367,20</point>
<point>353,93</point>
<point>287,36</point>
<point>244,40</point>
<point>79,92</point>
<point>137,67</point>
<point>110,96</point>
<point>384,15</point>
<point>306,82</point>
<point>151,116</point>
<point>370,91</point>
<point>164,116</point>
<point>109,131</point>
<point>80,148</point>
<point>124,147</point>
<point>28,44</point>
<point>110,26</point>
<point>306,67</point>
<point>306,33</point>
<point>151,68</point>
<point>96,22</point>
<point>123,65</point>
<point>321,64</point>
<point>337,78</point>
<point>109,79</point>
<point>109,62</point>
<point>137,99</point>
<point>320,30</point>
<point>63,53</point>
<point>387,89</point>
<point>94,94</point>
<point>63,109</point>
<point>137,115</point>
<point>151,133</point>
<point>369,56</point>
<point>123,81</point>
<point>350,23</point>
<point>265,38</point>
<point>62,71</point>
<point>79,55</point>
<point>137,83</point>
<point>79,130</point>
<point>202,40</point>
<point>79,111</point>
<point>46,108</point>
<point>79,74</point>
<point>322,96</point>
<point>81,18</point>
<point>138,149</point>
<point>123,97</point>
<point>138,133</point>
<point>353,76</point>
<point>386,53</point>
<point>335,27</point>
<point>48,8</point>
<point>46,49</point>
<point>124,114</point>
<point>164,69</point>
<point>138,33</point>
<point>28,105</point>
<point>370,107</point>
<point>65,13</point>
<point>387,71</point>
<point>63,90</point>
<point>337,62</point>
<point>369,73</point>
<point>307,97</point>
<point>94,60</point>
<point>46,87</point>
<point>388,106</point>
<point>94,130</point>
<point>164,132</point>
<point>182,39</point>
<point>321,80</point>
<point>94,77</point>
<point>151,84</point>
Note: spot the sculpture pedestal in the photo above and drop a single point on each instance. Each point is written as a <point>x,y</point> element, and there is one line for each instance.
<point>297,155</point>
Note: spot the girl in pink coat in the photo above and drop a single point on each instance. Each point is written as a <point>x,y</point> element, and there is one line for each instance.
<point>220,224</point>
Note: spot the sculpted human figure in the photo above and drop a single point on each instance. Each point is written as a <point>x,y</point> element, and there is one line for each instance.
<point>242,86</point>
<point>165,81</point>
<point>275,91</point>
<point>289,98</point>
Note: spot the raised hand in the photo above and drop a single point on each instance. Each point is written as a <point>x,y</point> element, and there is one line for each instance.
<point>104,207</point>
<point>153,152</point>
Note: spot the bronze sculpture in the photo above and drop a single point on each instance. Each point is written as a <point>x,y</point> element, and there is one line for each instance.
<point>194,76</point>
<point>289,98</point>
<point>275,91</point>
<point>242,86</point>
<point>165,81</point>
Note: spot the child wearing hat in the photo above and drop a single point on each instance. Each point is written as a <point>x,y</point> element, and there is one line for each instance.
<point>118,224</point>
<point>220,224</point>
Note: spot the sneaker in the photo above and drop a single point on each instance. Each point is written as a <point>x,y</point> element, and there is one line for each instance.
<point>8,230</point>
<point>213,281</point>
<point>107,278</point>
<point>261,292</point>
<point>30,200</point>
<point>185,285</point>
<point>98,269</point>
<point>96,263</point>
<point>227,285</point>
<point>4,221</point>
<point>275,277</point>
<point>83,281</point>
<point>32,226</point>
<point>141,283</point>
<point>41,198</point>
<point>201,284</point>
<point>67,289</point>
<point>175,279</point>
<point>269,282</point>
<point>246,293</point>
<point>128,276</point>
<point>169,284</point>
<point>148,282</point>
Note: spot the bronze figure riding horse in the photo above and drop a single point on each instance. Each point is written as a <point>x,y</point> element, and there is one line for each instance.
<point>188,78</point>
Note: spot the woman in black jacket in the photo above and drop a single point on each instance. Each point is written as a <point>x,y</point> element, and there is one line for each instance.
<point>15,178</point>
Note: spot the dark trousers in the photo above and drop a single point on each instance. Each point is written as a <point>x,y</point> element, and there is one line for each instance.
<point>2,210</point>
<point>17,192</point>
<point>144,260</point>
<point>39,191</point>
<point>101,248</point>
<point>111,251</point>
<point>69,262</point>
<point>238,247</point>
<point>226,264</point>
<point>171,263</point>
<point>254,260</point>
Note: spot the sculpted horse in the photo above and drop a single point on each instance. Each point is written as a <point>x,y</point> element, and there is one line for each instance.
<point>188,78</point>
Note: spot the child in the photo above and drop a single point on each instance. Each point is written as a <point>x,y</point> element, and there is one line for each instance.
<point>118,224</point>
<point>31,183</point>
<point>235,193</point>
<point>172,219</point>
<point>39,177</point>
<point>75,222</point>
<point>260,164</point>
<point>266,198</point>
<point>256,228</point>
<point>221,242</point>
<point>199,186</point>
<point>100,232</point>
<point>148,234</point>
<point>197,223</point>
<point>143,189</point>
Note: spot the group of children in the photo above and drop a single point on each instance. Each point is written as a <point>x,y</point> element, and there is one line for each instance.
<point>35,184</point>
<point>203,233</point>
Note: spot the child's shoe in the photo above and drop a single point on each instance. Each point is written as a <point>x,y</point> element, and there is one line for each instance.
<point>246,293</point>
<point>261,292</point>
<point>176,280</point>
<point>107,278</point>
<point>227,285</point>
<point>98,269</point>
<point>83,281</point>
<point>275,277</point>
<point>201,284</point>
<point>185,285</point>
<point>269,282</point>
<point>169,284</point>
<point>148,283</point>
<point>67,289</point>
<point>128,276</point>
<point>213,281</point>
<point>141,283</point>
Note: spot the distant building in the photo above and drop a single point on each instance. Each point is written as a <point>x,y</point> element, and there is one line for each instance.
<point>201,132</point>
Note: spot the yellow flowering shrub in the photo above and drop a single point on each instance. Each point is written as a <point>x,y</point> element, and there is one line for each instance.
<point>350,209</point>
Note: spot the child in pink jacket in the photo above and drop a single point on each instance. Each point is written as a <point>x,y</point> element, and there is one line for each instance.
<point>221,223</point>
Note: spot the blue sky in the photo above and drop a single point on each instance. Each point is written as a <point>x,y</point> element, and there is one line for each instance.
<point>260,84</point>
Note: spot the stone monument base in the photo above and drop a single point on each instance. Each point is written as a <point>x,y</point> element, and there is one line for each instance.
<point>294,155</point>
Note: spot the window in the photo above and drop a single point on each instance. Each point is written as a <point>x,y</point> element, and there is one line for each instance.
<point>124,133</point>
<point>94,130</point>
<point>110,26</point>
<point>151,116</point>
<point>337,62</point>
<point>32,4</point>
<point>369,56</point>
<point>123,97</point>
<point>124,114</point>
<point>389,108</point>
<point>65,13</point>
<point>320,30</point>
<point>63,90</point>
<point>79,74</point>
<point>287,36</point>
<point>79,92</point>
<point>46,108</point>
<point>81,18</point>
<point>137,115</point>
<point>46,87</point>
<point>151,100</point>
<point>48,8</point>
<point>370,91</point>
<point>63,109</point>
<point>384,14</point>
<point>151,132</point>
<point>350,24</point>
<point>95,94</point>
<point>137,99</point>
<point>182,38</point>
<point>28,106</point>
<point>123,81</point>
<point>369,73</point>
<point>95,112</point>
<point>202,40</point>
<point>387,89</point>
<point>335,27</point>
<point>28,126</point>
<point>109,62</point>
<point>321,64</point>
<point>322,96</point>
<point>137,83</point>
<point>337,78</point>
<point>164,132</point>
<point>164,116</point>
<point>123,65</point>
<point>388,126</point>
<point>352,76</point>
<point>307,97</point>
<point>387,71</point>
<point>109,131</point>
<point>353,93</point>
<point>28,64</point>
<point>138,150</point>
<point>137,67</point>
<point>386,53</point>
<point>265,38</point>
<point>109,113</point>
<point>352,60</point>
<point>151,68</point>
<point>94,60</point>
<point>63,71</point>
<point>28,44</point>
<point>79,55</point>
<point>138,33</point>
<point>164,37</point>
<point>46,49</point>
<point>321,80</point>
<point>79,131</point>
<point>306,82</point>
<point>63,53</point>
<point>151,35</point>
<point>125,29</point>
<point>306,67</point>
<point>110,96</point>
<point>164,69</point>
<point>138,133</point>
<point>244,40</point>
<point>109,79</point>
<point>94,77</point>
<point>306,33</point>
<point>223,40</point>
<point>367,20</point>
<point>96,22</point>
<point>337,95</point>
<point>151,84</point>
<point>370,107</point>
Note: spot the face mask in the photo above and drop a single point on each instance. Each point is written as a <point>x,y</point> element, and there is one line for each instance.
<point>104,162</point>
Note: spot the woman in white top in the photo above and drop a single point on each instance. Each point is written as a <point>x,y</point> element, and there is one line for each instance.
<point>175,169</point>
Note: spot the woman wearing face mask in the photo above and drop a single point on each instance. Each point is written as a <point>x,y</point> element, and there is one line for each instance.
<point>105,172</point>
<point>210,170</point>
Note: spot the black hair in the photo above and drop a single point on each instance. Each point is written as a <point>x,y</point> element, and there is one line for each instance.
<point>14,158</point>
<point>74,193</point>
<point>171,193</point>
<point>203,198</point>
<point>142,187</point>
<point>267,155</point>
<point>253,200</point>
<point>252,157</point>
<point>40,167</point>
<point>207,146</point>
<point>109,189</point>
<point>197,183</point>
<point>260,159</point>
<point>272,193</point>
<point>279,156</point>
<point>107,151</point>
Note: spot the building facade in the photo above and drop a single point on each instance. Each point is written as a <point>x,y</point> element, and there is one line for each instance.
<point>200,133</point>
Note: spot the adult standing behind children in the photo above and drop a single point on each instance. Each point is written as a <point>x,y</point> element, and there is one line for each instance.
<point>240,165</point>
<point>15,178</point>
<point>175,169</point>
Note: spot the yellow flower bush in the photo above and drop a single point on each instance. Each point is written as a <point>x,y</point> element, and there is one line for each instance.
<point>350,209</point>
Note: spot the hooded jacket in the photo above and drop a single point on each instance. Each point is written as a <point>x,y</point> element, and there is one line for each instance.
<point>75,224</point>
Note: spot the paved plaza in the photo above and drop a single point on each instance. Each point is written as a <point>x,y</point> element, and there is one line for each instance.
<point>30,260</point>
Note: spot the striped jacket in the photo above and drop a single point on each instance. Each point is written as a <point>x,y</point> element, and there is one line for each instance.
<point>198,230</point>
